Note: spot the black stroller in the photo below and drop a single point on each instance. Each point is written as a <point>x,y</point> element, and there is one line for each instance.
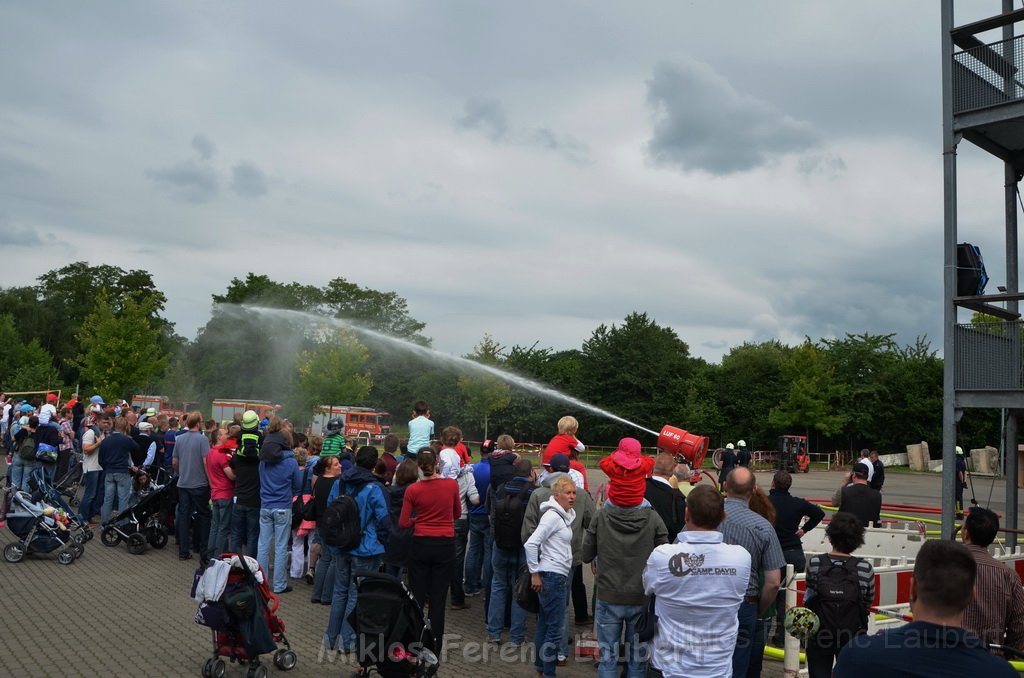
<point>142,523</point>
<point>394,638</point>
<point>68,485</point>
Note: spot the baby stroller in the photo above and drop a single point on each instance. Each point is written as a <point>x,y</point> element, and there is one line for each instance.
<point>69,483</point>
<point>39,528</point>
<point>42,490</point>
<point>243,617</point>
<point>394,638</point>
<point>143,522</point>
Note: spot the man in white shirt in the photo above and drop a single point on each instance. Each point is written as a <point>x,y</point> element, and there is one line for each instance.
<point>698,583</point>
<point>96,429</point>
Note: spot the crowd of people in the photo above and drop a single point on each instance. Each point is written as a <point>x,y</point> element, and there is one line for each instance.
<point>689,579</point>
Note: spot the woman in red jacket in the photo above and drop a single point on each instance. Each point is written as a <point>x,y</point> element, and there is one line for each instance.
<point>430,507</point>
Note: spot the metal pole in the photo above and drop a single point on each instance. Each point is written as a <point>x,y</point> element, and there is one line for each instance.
<point>1010,513</point>
<point>949,275</point>
<point>1012,269</point>
<point>791,645</point>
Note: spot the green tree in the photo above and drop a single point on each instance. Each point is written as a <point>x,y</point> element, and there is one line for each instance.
<point>638,370</point>
<point>863,364</point>
<point>485,394</point>
<point>813,394</point>
<point>748,384</point>
<point>179,381</point>
<point>332,373</point>
<point>54,310</point>
<point>120,352</point>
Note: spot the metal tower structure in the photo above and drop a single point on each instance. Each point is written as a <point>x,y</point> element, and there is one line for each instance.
<point>982,103</point>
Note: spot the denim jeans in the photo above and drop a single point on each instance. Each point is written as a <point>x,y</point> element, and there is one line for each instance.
<point>116,486</point>
<point>92,498</point>
<point>245,529</point>
<point>323,580</point>
<point>192,500</point>
<point>275,527</point>
<point>340,635</point>
<point>21,469</point>
<point>506,566</point>
<point>220,526</point>
<point>554,598</point>
<point>458,594</point>
<point>478,556</point>
<point>611,620</point>
<point>744,638</point>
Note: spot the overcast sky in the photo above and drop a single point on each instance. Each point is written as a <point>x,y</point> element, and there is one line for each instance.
<point>738,170</point>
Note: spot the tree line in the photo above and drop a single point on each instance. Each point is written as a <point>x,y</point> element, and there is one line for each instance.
<point>102,328</point>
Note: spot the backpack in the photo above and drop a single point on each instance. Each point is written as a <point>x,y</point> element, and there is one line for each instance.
<point>509,511</point>
<point>341,526</point>
<point>838,601</point>
<point>27,448</point>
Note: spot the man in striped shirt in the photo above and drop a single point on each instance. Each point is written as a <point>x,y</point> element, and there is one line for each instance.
<point>745,528</point>
<point>996,613</point>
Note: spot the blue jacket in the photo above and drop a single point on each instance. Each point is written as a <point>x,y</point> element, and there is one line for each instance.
<point>482,475</point>
<point>278,483</point>
<point>373,510</point>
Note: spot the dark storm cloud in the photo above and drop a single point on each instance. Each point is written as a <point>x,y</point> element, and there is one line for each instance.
<point>703,123</point>
<point>188,181</point>
<point>488,117</point>
<point>248,180</point>
<point>203,146</point>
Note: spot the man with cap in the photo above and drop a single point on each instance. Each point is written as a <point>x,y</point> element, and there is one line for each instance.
<point>560,463</point>
<point>857,497</point>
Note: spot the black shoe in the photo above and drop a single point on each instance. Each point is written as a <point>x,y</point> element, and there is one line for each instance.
<point>286,589</point>
<point>184,556</point>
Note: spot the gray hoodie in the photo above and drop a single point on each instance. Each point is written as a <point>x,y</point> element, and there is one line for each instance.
<point>621,539</point>
<point>467,490</point>
<point>584,512</point>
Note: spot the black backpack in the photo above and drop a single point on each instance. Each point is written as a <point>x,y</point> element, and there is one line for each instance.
<point>509,511</point>
<point>27,448</point>
<point>838,601</point>
<point>340,526</point>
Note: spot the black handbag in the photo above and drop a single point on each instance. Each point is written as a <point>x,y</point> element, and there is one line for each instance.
<point>647,625</point>
<point>525,595</point>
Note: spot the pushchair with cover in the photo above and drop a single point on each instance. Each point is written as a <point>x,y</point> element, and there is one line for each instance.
<point>393,637</point>
<point>236,603</point>
<point>40,529</point>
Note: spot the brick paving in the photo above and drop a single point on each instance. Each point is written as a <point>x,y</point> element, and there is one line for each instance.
<point>114,614</point>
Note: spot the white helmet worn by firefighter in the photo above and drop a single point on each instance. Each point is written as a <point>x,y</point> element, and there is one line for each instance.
<point>742,443</point>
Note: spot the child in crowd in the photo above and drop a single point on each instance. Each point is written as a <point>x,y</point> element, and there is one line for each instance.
<point>421,428</point>
<point>627,470</point>
<point>566,440</point>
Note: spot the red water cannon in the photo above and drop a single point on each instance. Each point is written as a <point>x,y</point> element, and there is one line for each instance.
<point>685,447</point>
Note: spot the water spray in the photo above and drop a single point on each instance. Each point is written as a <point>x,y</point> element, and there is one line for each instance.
<point>508,377</point>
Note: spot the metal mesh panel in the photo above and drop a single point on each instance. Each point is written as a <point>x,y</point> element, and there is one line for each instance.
<point>988,356</point>
<point>988,75</point>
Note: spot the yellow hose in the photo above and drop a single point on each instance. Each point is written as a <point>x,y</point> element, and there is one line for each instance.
<point>778,654</point>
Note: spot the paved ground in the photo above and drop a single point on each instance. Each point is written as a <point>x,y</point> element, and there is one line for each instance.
<point>111,613</point>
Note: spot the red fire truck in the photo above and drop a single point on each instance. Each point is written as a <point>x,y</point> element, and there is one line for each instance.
<point>162,405</point>
<point>365,423</point>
